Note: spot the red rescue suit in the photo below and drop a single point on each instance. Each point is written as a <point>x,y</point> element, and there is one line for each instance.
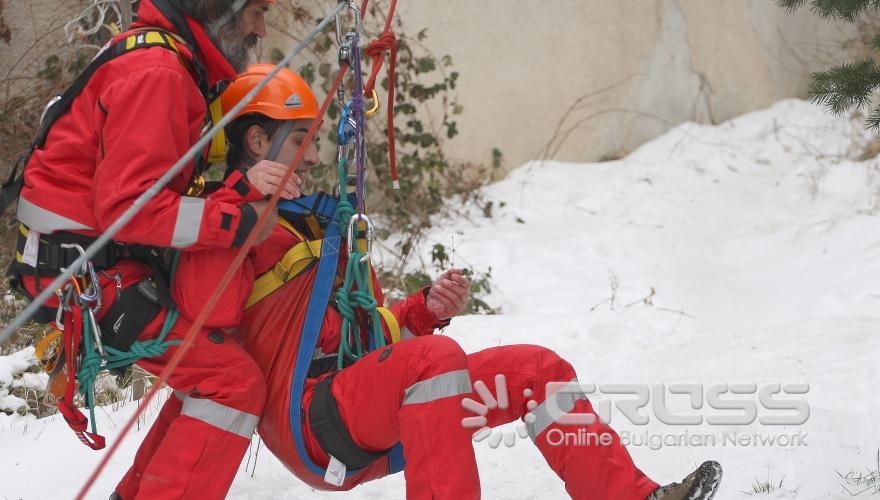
<point>138,114</point>
<point>409,392</point>
<point>134,119</point>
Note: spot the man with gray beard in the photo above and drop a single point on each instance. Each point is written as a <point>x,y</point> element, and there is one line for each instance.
<point>134,112</point>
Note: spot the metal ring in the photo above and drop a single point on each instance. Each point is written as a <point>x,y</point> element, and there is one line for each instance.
<point>359,23</point>
<point>370,236</point>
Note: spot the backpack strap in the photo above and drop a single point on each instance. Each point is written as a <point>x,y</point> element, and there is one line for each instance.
<point>58,106</point>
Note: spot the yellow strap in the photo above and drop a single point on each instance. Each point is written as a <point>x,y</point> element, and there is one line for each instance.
<point>297,258</point>
<point>217,153</point>
<point>287,225</point>
<point>391,321</point>
<point>291,265</point>
<point>144,37</point>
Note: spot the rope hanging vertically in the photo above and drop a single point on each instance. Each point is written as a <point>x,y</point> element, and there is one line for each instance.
<point>386,42</point>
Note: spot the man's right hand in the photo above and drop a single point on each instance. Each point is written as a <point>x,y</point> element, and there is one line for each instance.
<point>266,230</point>
<point>266,176</point>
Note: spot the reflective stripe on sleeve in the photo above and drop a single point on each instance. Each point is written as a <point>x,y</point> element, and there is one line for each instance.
<point>189,221</point>
<point>44,221</point>
<point>440,386</point>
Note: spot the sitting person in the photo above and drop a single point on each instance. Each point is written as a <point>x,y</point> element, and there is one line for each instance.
<point>337,421</point>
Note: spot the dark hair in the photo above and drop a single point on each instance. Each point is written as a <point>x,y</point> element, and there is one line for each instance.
<point>204,11</point>
<point>237,130</point>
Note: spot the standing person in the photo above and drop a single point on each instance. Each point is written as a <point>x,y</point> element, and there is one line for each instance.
<point>410,391</point>
<point>122,127</point>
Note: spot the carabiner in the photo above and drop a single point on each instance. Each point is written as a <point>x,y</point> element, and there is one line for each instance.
<point>369,236</point>
<point>358,26</point>
<point>87,270</point>
<point>376,105</point>
<point>347,126</point>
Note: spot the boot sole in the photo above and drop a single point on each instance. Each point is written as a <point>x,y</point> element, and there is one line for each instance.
<point>706,481</point>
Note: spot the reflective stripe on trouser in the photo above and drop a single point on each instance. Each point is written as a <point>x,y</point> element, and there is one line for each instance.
<point>412,395</point>
<point>196,445</point>
<point>590,471</point>
<point>189,220</point>
<point>222,417</point>
<point>440,450</point>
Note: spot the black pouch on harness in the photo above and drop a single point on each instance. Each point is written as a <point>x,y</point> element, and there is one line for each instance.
<point>330,431</point>
<point>136,307</point>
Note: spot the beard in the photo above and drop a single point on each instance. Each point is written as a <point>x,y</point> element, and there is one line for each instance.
<point>235,46</point>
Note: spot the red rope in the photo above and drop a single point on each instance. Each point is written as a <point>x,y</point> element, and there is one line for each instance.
<point>387,41</point>
<point>227,277</point>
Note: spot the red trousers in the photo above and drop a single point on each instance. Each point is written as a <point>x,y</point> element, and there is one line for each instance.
<point>196,444</point>
<point>414,392</point>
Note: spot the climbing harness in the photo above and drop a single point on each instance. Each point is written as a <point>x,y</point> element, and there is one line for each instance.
<point>59,105</point>
<point>83,352</point>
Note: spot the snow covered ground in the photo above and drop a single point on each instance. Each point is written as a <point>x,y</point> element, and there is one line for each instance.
<point>760,239</point>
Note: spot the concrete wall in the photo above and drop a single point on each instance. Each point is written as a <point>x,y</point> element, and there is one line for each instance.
<point>524,63</point>
<point>630,68</point>
<point>36,31</point>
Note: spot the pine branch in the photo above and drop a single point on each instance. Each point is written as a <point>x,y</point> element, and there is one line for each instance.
<point>791,5</point>
<point>845,87</point>
<point>847,10</point>
<point>873,121</point>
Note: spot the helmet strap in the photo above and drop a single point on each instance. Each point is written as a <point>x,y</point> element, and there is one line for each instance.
<point>278,140</point>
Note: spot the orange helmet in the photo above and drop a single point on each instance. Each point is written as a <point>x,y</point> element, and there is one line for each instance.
<point>286,97</point>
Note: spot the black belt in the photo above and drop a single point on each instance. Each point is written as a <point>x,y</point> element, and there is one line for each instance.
<point>330,432</point>
<point>52,257</point>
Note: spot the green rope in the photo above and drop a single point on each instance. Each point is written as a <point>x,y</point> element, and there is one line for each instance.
<point>92,362</point>
<point>355,292</point>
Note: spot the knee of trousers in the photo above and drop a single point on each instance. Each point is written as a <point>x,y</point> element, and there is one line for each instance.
<point>436,367</point>
<point>242,387</point>
<point>548,365</point>
<point>438,354</point>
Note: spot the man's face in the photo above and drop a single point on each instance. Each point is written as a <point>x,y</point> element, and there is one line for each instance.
<point>292,144</point>
<point>288,150</point>
<point>236,38</point>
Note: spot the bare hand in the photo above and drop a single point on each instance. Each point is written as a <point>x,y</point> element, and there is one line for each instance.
<point>266,177</point>
<point>449,294</point>
<point>269,225</point>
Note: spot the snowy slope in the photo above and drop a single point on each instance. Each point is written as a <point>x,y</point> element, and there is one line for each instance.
<point>761,240</point>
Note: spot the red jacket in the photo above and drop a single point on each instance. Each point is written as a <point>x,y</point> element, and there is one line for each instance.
<point>135,118</point>
<point>199,273</point>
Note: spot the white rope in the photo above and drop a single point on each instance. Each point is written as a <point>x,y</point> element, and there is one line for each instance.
<point>94,17</point>
<point>123,220</point>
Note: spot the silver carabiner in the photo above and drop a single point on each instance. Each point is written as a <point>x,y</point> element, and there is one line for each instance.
<point>96,331</point>
<point>370,236</point>
<point>358,26</point>
<point>93,292</point>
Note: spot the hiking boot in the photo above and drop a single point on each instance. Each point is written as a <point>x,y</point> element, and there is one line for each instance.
<point>701,484</point>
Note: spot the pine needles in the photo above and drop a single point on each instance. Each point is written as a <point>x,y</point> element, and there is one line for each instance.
<point>850,85</point>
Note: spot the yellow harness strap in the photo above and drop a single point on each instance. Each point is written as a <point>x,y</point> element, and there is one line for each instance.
<point>391,321</point>
<point>217,153</point>
<point>293,263</point>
